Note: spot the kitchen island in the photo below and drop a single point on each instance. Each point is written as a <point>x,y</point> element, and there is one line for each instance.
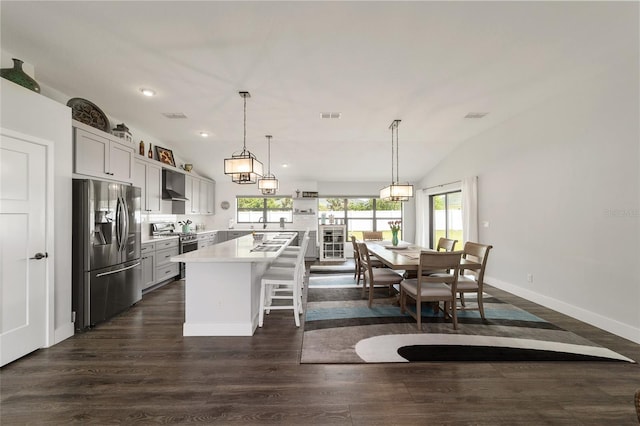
<point>222,290</point>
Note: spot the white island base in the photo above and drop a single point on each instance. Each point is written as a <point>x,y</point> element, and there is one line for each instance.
<point>222,299</point>
<point>222,290</point>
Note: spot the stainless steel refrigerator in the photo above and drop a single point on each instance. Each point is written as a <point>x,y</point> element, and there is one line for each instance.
<point>107,275</point>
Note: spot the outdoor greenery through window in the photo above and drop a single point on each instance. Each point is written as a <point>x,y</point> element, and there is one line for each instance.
<point>264,209</point>
<point>446,217</point>
<point>361,214</point>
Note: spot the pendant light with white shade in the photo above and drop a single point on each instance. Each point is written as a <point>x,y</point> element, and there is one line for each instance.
<point>396,191</point>
<point>268,184</point>
<point>243,167</point>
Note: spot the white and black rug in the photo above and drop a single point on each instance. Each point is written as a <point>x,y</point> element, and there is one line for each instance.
<point>340,328</point>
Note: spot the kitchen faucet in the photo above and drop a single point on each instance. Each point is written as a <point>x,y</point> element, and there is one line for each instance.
<point>264,224</point>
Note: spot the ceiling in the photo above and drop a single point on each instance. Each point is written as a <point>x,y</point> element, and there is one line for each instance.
<point>426,63</point>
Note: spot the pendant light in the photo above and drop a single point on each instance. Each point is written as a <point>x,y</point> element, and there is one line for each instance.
<point>396,191</point>
<point>243,167</point>
<point>268,184</point>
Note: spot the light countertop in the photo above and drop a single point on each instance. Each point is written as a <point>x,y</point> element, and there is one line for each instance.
<point>243,249</point>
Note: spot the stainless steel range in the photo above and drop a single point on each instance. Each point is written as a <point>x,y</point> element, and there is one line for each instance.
<point>188,241</point>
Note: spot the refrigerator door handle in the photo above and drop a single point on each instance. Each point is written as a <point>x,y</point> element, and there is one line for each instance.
<point>121,223</point>
<point>125,208</point>
<point>118,271</point>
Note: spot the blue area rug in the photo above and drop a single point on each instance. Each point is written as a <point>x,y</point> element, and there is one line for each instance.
<point>339,327</point>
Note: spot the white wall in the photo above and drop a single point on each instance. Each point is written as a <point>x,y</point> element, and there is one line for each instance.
<point>560,187</point>
<point>31,113</point>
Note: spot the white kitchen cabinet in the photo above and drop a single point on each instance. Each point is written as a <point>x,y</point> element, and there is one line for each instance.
<point>102,155</point>
<point>148,177</point>
<point>332,240</point>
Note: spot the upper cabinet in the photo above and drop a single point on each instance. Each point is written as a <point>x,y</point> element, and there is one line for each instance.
<point>148,176</point>
<point>99,154</point>
<point>200,195</point>
<point>211,198</point>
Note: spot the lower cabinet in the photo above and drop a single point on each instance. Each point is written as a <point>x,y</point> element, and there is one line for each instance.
<point>148,260</point>
<point>156,262</point>
<point>312,248</point>
<point>206,239</point>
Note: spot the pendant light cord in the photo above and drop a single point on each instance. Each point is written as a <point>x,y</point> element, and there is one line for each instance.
<point>244,143</point>
<point>395,153</point>
<point>269,156</point>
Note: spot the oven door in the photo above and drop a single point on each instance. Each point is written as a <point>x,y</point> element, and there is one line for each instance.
<point>186,247</point>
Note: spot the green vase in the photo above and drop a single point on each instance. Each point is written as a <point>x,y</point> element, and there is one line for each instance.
<point>18,76</point>
<point>394,238</point>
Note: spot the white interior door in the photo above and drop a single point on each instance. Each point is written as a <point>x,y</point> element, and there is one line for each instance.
<point>23,226</point>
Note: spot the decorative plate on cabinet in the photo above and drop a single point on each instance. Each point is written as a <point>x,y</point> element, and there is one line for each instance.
<point>86,112</point>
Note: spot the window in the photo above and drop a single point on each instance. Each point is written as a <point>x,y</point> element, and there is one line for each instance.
<point>446,216</point>
<point>264,209</point>
<point>360,214</point>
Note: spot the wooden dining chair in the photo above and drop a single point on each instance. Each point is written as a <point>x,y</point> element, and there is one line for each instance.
<point>372,235</point>
<point>375,276</point>
<point>359,271</point>
<point>446,244</point>
<point>472,280</point>
<point>433,288</point>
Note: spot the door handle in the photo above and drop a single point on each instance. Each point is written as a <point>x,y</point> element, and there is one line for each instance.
<point>39,256</point>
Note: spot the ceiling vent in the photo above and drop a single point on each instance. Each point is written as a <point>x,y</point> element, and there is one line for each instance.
<point>329,115</point>
<point>174,115</point>
<point>476,114</point>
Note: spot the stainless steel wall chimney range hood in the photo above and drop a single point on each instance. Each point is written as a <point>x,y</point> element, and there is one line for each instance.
<point>173,189</point>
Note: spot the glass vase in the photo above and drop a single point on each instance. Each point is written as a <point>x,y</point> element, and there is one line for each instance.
<point>394,237</point>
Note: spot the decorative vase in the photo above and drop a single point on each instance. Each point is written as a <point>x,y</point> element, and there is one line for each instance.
<point>185,229</point>
<point>18,76</point>
<point>394,237</point>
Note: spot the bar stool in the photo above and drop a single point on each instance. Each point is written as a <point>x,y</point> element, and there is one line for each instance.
<point>283,283</point>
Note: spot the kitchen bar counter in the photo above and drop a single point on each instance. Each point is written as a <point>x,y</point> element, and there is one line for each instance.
<point>243,249</point>
<point>222,289</point>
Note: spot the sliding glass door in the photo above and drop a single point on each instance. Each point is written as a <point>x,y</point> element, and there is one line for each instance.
<point>446,217</point>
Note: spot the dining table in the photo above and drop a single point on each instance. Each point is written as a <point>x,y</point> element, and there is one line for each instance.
<point>406,256</point>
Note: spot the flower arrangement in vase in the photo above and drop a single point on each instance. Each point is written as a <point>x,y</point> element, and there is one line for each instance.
<point>185,225</point>
<point>395,227</point>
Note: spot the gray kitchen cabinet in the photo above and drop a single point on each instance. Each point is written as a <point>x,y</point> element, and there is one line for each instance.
<point>211,195</point>
<point>102,155</point>
<point>312,248</point>
<point>148,177</point>
<point>206,239</point>
<point>233,234</point>
<point>192,187</point>
<point>165,269</point>
<point>148,260</point>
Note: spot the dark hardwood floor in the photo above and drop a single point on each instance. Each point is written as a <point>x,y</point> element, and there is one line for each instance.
<point>138,368</point>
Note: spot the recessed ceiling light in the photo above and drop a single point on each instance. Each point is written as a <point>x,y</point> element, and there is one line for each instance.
<point>148,92</point>
<point>285,165</point>
<point>204,134</point>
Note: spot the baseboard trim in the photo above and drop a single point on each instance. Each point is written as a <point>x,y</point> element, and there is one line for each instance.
<point>612,326</point>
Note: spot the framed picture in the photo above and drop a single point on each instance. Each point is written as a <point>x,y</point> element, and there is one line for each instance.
<point>165,156</point>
